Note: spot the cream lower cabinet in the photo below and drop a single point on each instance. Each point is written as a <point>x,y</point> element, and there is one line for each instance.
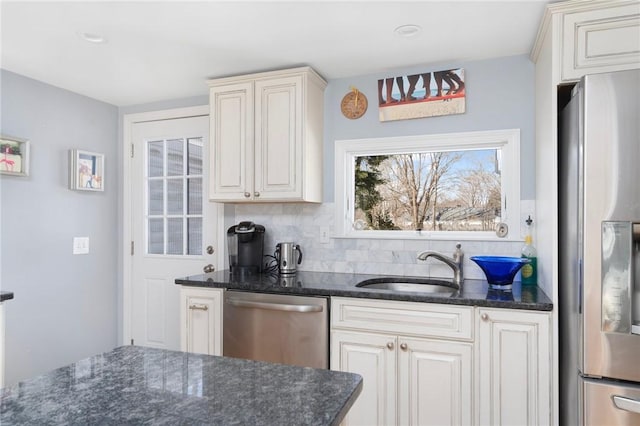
<point>514,367</point>
<point>409,377</point>
<point>431,364</point>
<point>201,320</point>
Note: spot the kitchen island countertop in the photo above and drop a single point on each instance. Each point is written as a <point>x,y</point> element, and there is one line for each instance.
<point>138,385</point>
<point>474,292</point>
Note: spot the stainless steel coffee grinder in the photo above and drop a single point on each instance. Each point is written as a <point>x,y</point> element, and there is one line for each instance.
<point>286,257</point>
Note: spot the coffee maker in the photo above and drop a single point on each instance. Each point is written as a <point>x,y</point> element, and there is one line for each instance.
<point>245,243</point>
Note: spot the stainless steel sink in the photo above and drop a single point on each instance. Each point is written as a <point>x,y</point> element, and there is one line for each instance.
<point>418,285</point>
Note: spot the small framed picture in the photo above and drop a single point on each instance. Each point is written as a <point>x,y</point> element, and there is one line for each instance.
<point>14,156</point>
<point>86,170</point>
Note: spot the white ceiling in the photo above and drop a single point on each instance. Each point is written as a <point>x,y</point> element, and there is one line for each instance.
<point>158,50</point>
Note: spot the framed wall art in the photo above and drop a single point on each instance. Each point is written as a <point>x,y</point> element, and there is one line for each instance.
<point>86,170</point>
<point>427,94</point>
<point>14,156</point>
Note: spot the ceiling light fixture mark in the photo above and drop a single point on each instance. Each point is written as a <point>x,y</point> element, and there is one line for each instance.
<point>408,30</point>
<point>92,37</point>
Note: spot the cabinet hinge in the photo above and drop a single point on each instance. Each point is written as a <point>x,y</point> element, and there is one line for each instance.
<point>131,248</point>
<point>131,342</point>
<point>131,150</point>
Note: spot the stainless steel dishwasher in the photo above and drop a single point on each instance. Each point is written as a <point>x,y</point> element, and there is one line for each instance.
<point>277,328</point>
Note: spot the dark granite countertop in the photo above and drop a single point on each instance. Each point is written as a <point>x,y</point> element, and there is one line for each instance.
<point>474,292</point>
<point>6,295</point>
<point>136,385</point>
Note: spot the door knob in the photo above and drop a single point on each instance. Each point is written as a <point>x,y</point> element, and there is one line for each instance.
<point>208,268</point>
<point>210,250</point>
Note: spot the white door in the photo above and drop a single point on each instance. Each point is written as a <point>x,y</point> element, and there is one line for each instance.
<point>435,382</point>
<point>374,357</point>
<point>173,226</point>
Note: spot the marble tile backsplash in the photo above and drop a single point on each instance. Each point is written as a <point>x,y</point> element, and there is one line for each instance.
<point>301,223</point>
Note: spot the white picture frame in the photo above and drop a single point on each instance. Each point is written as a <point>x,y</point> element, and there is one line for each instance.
<point>86,170</point>
<point>14,156</point>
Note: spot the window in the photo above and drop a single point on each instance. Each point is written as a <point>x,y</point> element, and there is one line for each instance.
<point>448,186</point>
<point>174,191</point>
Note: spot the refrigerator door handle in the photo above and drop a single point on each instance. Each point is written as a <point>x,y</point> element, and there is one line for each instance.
<point>626,404</point>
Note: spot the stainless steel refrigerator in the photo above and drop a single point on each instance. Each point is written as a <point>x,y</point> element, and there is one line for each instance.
<point>599,251</point>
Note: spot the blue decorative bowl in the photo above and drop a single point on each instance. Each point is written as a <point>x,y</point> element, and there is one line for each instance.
<point>500,270</point>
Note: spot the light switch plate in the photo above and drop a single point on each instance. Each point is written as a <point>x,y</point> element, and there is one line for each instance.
<point>80,245</point>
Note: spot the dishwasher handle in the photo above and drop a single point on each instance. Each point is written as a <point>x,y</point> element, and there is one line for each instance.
<point>273,306</point>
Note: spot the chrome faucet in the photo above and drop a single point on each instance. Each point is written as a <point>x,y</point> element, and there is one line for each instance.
<point>454,262</point>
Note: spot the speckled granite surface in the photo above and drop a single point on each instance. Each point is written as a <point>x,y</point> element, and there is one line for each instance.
<point>136,385</point>
<point>6,295</point>
<point>474,292</point>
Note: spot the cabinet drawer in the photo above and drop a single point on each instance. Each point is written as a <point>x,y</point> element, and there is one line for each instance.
<point>407,318</point>
<point>600,40</point>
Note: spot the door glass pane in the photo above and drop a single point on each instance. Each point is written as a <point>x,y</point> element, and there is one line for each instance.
<point>156,158</point>
<point>195,195</point>
<point>156,197</point>
<point>175,157</point>
<point>194,231</point>
<point>175,196</point>
<point>175,238</point>
<point>194,153</point>
<point>156,236</point>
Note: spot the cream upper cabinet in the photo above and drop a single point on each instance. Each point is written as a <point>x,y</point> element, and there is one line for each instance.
<point>600,39</point>
<point>513,350</point>
<point>201,320</point>
<point>589,37</point>
<point>413,373</point>
<point>267,138</point>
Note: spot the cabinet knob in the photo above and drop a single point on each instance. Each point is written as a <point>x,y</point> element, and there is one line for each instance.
<point>247,194</point>
<point>484,317</point>
<point>256,194</point>
<point>403,346</point>
<point>210,250</point>
<point>199,307</point>
<point>208,268</point>
<point>390,345</point>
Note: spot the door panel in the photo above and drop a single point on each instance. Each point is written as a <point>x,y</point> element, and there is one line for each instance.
<point>435,382</point>
<point>373,356</point>
<point>172,222</point>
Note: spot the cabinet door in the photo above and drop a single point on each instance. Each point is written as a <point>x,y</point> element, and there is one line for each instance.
<point>600,40</point>
<point>231,135</point>
<point>373,356</point>
<point>201,314</point>
<point>514,358</point>
<point>278,139</point>
<point>434,382</point>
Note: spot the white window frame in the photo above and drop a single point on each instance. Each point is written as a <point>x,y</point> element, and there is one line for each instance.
<point>508,141</point>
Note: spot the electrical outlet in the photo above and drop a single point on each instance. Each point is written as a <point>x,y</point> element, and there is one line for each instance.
<point>324,235</point>
<point>80,245</point>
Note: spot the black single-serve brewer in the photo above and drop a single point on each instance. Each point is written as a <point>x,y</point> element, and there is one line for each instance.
<point>245,243</point>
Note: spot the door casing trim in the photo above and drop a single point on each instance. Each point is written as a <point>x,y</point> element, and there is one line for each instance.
<point>127,234</point>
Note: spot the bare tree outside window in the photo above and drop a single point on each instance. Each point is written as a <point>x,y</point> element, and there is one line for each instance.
<point>437,191</point>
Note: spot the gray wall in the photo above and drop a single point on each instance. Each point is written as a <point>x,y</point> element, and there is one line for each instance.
<point>64,307</point>
<point>500,94</point>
